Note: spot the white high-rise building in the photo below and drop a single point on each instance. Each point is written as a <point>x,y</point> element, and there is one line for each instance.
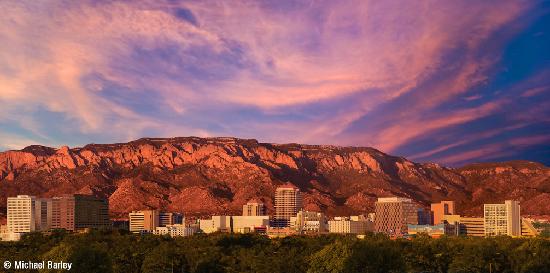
<point>502,219</point>
<point>21,214</point>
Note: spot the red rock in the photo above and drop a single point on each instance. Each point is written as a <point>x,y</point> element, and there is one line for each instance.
<point>201,176</point>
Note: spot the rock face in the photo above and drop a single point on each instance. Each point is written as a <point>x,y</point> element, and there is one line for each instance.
<point>200,176</point>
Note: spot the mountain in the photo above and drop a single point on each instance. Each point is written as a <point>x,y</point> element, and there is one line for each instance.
<point>201,176</point>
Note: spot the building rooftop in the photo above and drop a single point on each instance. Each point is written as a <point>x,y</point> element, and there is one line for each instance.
<point>393,199</point>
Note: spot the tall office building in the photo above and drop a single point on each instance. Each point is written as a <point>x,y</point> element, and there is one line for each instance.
<point>502,219</point>
<point>144,221</point>
<point>441,209</point>
<point>28,213</point>
<point>288,202</point>
<point>393,214</point>
<point>425,216</point>
<point>21,214</point>
<point>43,215</point>
<point>253,208</point>
<point>170,218</point>
<point>78,211</point>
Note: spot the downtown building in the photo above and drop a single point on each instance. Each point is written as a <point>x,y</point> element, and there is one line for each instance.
<point>176,230</point>
<point>394,214</point>
<point>288,202</point>
<point>77,212</point>
<point>147,221</point>
<point>359,225</point>
<point>439,210</point>
<point>254,208</point>
<point>218,223</point>
<point>28,214</point>
<point>502,219</point>
<point>309,222</point>
<point>70,212</point>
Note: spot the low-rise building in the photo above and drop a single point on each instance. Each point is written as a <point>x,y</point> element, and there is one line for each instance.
<point>350,225</point>
<point>309,222</point>
<point>218,223</point>
<point>248,224</point>
<point>434,231</point>
<point>527,228</point>
<point>468,226</point>
<point>175,230</point>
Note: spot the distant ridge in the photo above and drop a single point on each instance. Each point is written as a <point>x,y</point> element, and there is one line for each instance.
<point>202,176</point>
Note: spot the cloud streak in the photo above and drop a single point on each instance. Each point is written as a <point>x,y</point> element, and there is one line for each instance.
<point>380,73</point>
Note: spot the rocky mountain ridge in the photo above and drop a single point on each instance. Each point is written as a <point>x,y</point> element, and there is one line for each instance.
<point>201,176</point>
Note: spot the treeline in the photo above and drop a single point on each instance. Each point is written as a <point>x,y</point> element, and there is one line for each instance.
<point>118,251</point>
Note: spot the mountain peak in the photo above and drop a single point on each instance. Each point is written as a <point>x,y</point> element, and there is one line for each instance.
<point>219,174</point>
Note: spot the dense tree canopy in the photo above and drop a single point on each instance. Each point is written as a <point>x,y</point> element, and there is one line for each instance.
<point>118,251</point>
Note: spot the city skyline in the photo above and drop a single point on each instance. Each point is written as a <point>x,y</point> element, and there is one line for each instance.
<point>395,217</point>
<point>451,82</point>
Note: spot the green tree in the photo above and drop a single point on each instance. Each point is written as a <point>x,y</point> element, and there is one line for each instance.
<point>533,256</point>
<point>333,258</point>
<point>164,258</point>
<point>84,257</point>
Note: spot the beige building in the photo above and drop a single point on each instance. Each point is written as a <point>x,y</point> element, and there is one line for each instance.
<point>144,221</point>
<point>221,223</point>
<point>469,226</point>
<point>288,202</point>
<point>175,230</point>
<point>502,219</point>
<point>22,212</point>
<point>393,214</point>
<point>441,209</point>
<point>253,208</point>
<point>309,222</point>
<point>350,225</point>
<point>247,224</point>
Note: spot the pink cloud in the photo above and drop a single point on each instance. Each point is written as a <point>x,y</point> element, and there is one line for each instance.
<point>326,51</point>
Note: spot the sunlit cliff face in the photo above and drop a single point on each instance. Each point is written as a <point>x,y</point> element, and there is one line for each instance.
<point>445,81</point>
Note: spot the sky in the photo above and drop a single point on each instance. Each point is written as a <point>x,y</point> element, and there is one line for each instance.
<point>452,82</point>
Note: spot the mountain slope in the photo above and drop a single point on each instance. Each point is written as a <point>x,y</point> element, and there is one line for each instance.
<point>202,176</point>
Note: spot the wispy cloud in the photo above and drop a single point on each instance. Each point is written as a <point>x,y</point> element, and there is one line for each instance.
<point>348,72</point>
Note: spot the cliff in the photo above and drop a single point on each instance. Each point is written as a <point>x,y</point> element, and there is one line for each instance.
<point>200,176</point>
